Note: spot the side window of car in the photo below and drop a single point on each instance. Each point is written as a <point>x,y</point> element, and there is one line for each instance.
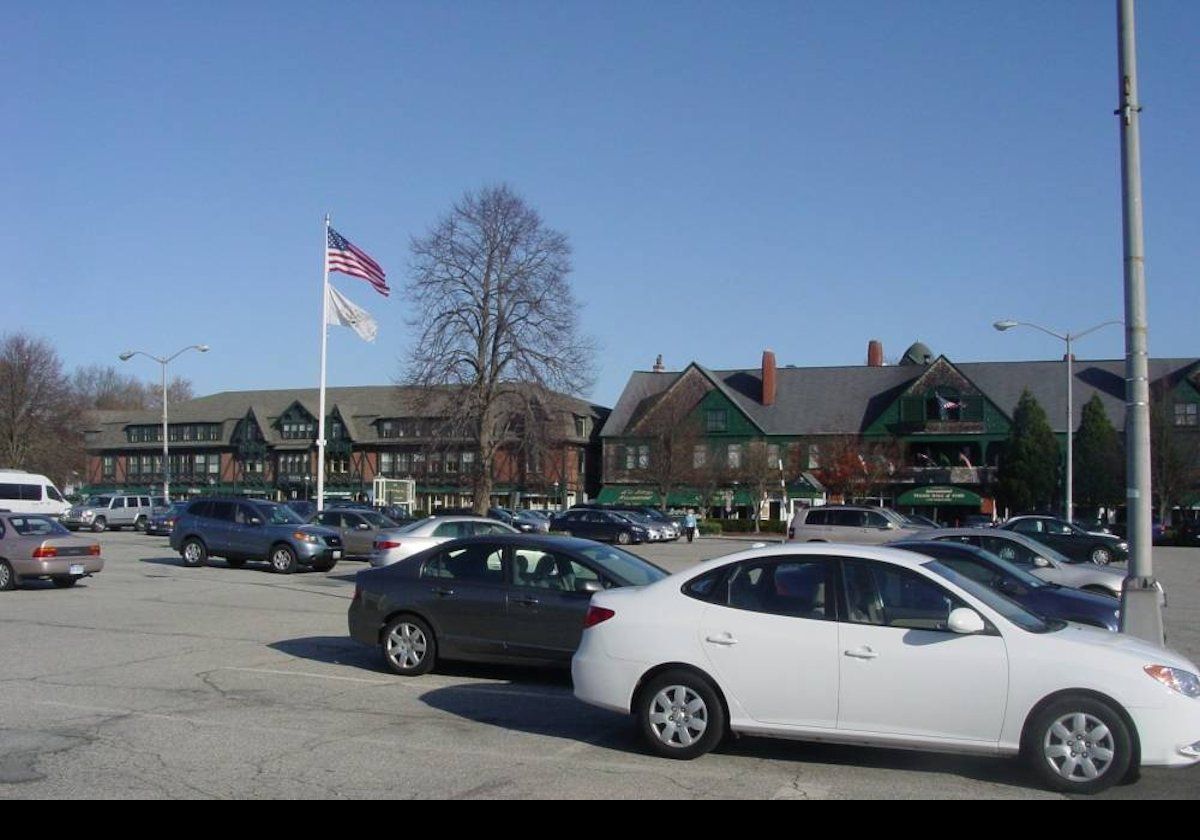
<point>351,520</point>
<point>1028,526</point>
<point>800,588</point>
<point>447,529</point>
<point>889,596</point>
<point>478,563</point>
<point>244,514</point>
<point>706,587</point>
<point>201,509</point>
<point>223,511</point>
<point>876,520</point>
<point>968,567</point>
<point>118,503</point>
<point>329,520</point>
<point>548,570</point>
<point>1008,550</point>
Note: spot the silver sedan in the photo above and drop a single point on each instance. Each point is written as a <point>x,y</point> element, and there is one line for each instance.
<point>394,544</point>
<point>1037,558</point>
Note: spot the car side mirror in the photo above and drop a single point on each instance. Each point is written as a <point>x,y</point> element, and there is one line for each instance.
<point>1041,562</point>
<point>254,520</point>
<point>363,526</point>
<point>966,622</point>
<point>590,586</point>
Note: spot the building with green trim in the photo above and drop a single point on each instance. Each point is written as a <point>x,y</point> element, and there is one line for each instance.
<point>263,443</point>
<point>939,428</point>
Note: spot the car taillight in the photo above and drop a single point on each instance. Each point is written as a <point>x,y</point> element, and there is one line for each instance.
<point>384,545</point>
<point>596,615</point>
<point>44,551</point>
<point>94,550</point>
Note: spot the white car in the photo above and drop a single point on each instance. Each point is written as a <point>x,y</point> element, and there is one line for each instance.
<point>394,544</point>
<point>877,646</point>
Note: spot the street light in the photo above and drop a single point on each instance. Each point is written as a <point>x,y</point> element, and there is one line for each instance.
<point>129,354</point>
<point>1001,326</point>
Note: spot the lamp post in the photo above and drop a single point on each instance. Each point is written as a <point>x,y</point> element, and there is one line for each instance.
<point>1068,338</point>
<point>129,354</point>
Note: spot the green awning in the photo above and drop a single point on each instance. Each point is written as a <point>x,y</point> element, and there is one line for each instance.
<point>938,494</point>
<point>682,497</point>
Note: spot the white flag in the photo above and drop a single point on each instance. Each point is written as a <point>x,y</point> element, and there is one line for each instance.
<point>344,313</point>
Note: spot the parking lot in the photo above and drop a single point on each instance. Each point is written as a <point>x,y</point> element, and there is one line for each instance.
<point>152,680</point>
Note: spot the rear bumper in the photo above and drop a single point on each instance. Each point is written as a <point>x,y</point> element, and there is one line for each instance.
<point>58,567</point>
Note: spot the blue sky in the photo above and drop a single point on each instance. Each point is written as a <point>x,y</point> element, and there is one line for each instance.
<point>800,176</point>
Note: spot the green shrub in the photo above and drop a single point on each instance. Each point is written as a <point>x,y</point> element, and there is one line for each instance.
<point>710,529</point>
<point>746,526</point>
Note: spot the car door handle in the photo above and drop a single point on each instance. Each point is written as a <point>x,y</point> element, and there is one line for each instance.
<point>443,593</point>
<point>864,652</point>
<point>725,640</point>
<point>526,602</point>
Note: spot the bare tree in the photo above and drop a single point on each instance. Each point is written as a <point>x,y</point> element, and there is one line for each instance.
<point>107,388</point>
<point>40,416</point>
<point>760,474</point>
<point>496,320</point>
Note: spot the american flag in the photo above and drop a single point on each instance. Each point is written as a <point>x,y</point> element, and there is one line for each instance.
<point>342,255</point>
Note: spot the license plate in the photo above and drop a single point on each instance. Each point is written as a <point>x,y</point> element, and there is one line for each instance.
<point>337,555</point>
<point>76,569</point>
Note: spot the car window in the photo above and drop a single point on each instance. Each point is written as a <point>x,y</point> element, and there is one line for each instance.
<point>1059,528</point>
<point>794,588</point>
<point>37,526</point>
<point>876,520</point>
<point>449,529</point>
<point>329,520</point>
<point>118,502</point>
<point>223,511</point>
<point>890,596</point>
<point>1009,550</point>
<point>623,566</point>
<point>245,513</point>
<point>352,520</point>
<point>1028,526</point>
<point>478,563</point>
<point>537,569</point>
<point>54,494</point>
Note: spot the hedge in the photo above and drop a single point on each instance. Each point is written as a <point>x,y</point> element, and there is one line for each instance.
<point>744,526</point>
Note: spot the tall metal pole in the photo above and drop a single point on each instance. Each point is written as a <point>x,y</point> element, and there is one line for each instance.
<point>1069,504</point>
<point>324,343</point>
<point>1141,614</point>
<point>166,455</point>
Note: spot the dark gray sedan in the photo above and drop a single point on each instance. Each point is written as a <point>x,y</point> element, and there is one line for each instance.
<point>503,598</point>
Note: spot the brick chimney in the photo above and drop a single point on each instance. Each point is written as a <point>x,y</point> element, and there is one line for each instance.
<point>875,353</point>
<point>659,367</point>
<point>768,377</point>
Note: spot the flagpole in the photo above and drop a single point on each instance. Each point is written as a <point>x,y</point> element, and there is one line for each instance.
<point>324,343</point>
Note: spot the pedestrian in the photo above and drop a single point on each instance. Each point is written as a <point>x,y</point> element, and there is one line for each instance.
<point>689,525</point>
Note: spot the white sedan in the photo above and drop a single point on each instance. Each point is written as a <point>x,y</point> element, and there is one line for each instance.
<point>394,544</point>
<point>883,647</point>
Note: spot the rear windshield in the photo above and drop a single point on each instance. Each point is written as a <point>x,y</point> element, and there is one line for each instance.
<point>37,526</point>
<point>625,567</point>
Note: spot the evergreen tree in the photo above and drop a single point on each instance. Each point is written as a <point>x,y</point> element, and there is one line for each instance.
<point>1028,475</point>
<point>1099,459</point>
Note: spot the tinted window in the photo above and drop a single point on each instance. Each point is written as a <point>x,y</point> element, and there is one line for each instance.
<point>877,520</point>
<point>201,509</point>
<point>704,588</point>
<point>224,511</point>
<point>10,491</point>
<point>549,570</point>
<point>817,517</point>
<point>890,596</point>
<point>1028,526</point>
<point>481,563</point>
<point>450,529</point>
<point>54,494</point>
<point>118,503</point>
<point>796,588</point>
<point>246,513</point>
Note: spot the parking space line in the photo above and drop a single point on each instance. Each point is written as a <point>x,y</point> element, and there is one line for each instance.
<point>308,674</point>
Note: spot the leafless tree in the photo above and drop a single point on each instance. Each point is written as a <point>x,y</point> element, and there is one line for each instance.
<point>107,388</point>
<point>496,320</point>
<point>672,433</point>
<point>40,416</point>
<point>760,474</point>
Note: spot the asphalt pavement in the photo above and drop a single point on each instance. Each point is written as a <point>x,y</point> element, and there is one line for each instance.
<point>152,680</point>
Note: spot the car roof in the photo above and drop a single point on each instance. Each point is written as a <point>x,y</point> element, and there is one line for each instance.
<point>888,553</point>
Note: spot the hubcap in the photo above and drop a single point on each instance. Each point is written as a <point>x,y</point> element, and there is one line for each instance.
<point>1079,747</point>
<point>282,560</point>
<point>4,573</point>
<point>678,716</point>
<point>192,552</point>
<point>406,646</point>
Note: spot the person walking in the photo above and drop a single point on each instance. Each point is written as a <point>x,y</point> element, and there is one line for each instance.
<point>689,525</point>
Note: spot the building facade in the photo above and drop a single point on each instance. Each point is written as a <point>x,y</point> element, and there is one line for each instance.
<point>263,443</point>
<point>926,435</point>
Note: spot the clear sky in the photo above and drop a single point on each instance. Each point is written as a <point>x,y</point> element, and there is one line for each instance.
<point>732,176</point>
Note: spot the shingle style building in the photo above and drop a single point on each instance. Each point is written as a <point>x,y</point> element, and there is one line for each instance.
<point>947,415</point>
<point>264,442</point>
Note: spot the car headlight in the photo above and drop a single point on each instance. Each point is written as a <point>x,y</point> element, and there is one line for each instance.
<point>306,538</point>
<point>88,514</point>
<point>1124,546</point>
<point>1185,682</point>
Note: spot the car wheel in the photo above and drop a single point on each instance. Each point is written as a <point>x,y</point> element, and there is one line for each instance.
<point>283,560</point>
<point>8,578</point>
<point>1101,556</point>
<point>139,524</point>
<point>99,524</point>
<point>1078,744</point>
<point>64,581</point>
<point>194,552</point>
<point>235,562</point>
<point>408,645</point>
<point>680,715</point>
<point>624,538</point>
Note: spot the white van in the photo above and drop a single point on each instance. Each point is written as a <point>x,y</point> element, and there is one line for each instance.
<point>26,492</point>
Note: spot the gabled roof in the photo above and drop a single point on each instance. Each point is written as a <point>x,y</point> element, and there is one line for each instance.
<point>847,400</point>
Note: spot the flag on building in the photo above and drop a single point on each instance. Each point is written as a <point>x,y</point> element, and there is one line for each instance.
<point>343,312</point>
<point>344,256</point>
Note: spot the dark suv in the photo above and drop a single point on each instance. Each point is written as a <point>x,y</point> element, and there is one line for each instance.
<point>252,529</point>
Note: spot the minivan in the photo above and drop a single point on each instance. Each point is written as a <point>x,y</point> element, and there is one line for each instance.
<point>850,524</point>
<point>26,492</point>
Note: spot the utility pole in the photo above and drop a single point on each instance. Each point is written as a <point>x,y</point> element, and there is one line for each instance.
<point>1141,614</point>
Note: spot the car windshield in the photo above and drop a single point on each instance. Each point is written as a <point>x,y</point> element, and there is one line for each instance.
<point>625,567</point>
<point>1011,610</point>
<point>274,514</point>
<point>37,526</point>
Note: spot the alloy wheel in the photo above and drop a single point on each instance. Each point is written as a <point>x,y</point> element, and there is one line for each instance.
<point>1079,747</point>
<point>406,646</point>
<point>678,716</point>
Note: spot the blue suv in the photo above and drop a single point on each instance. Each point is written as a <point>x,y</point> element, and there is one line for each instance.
<point>252,529</point>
